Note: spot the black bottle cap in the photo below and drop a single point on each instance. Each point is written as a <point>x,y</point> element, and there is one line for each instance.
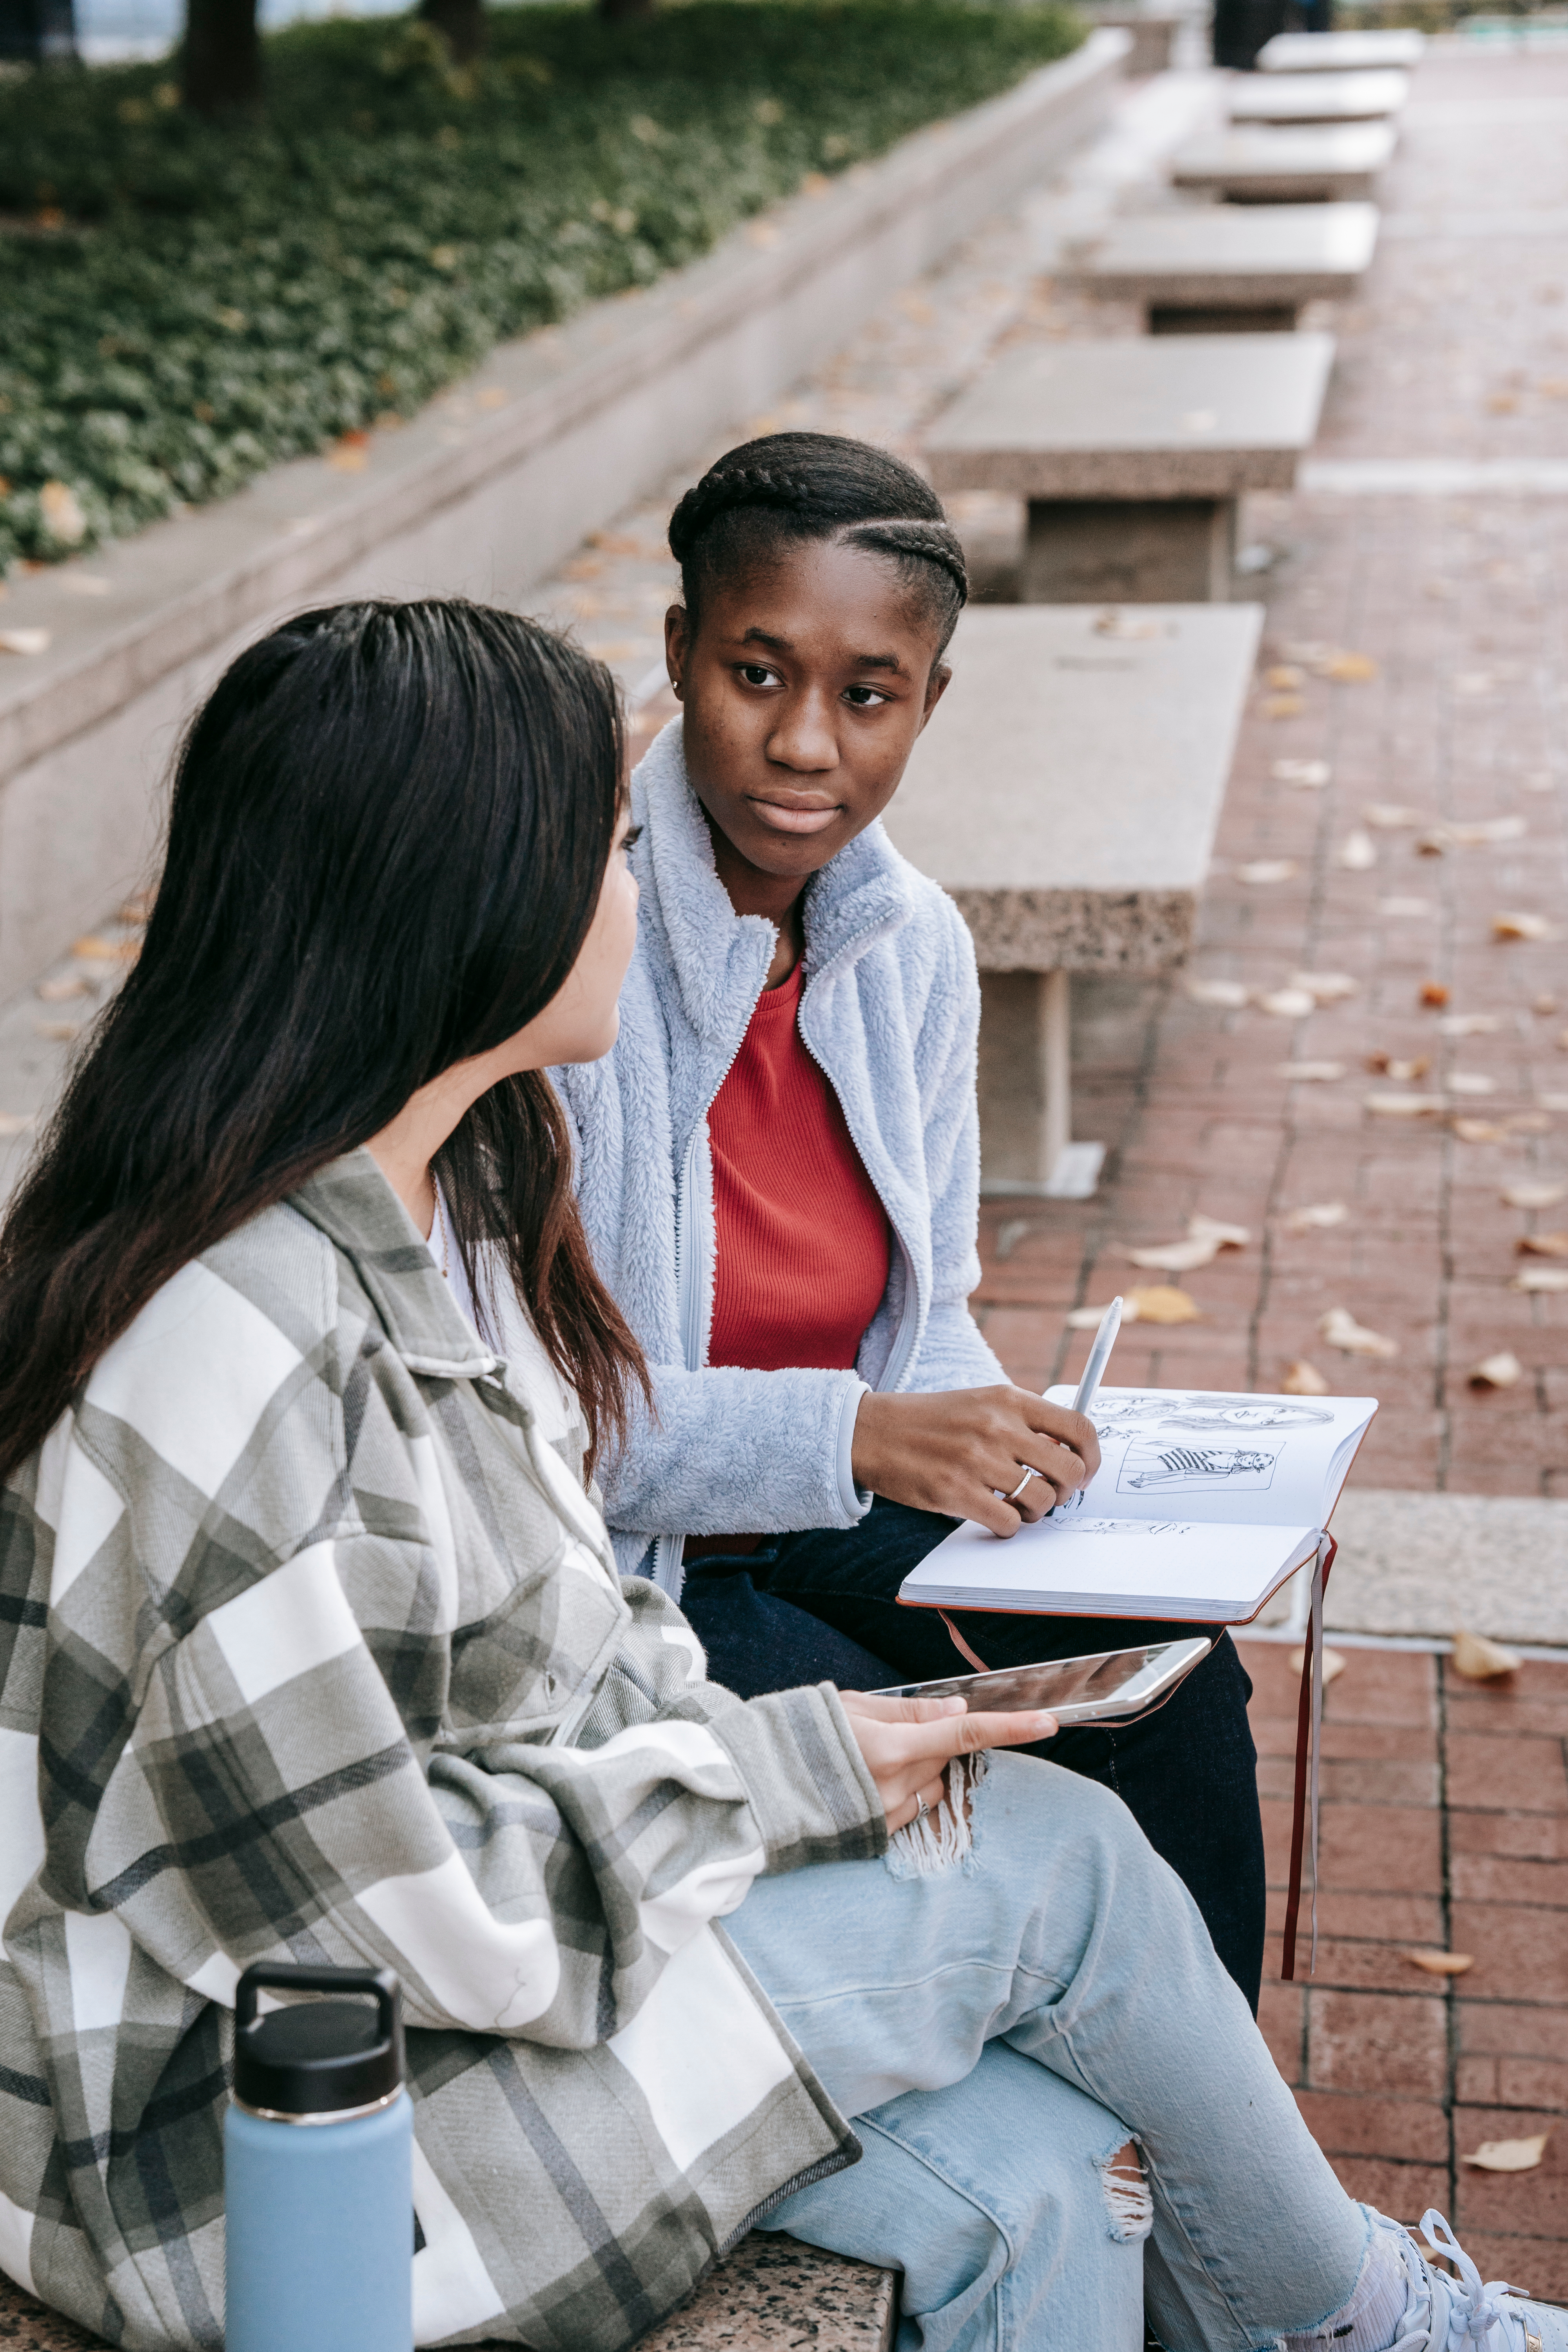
<point>317,2058</point>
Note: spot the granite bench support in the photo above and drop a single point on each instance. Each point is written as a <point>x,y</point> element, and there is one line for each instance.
<point>769,2295</point>
<point>1133,461</point>
<point>1066,794</point>
<point>1226,268</point>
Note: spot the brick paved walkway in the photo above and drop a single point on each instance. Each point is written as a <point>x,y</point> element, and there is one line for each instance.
<point>1445,1822</point>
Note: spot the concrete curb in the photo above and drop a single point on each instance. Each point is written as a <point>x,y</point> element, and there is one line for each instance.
<point>580,422</point>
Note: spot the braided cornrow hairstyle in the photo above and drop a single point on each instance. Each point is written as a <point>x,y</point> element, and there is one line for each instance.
<point>789,488</point>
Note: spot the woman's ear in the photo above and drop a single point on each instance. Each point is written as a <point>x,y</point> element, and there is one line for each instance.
<point>936,687</point>
<point>676,645</point>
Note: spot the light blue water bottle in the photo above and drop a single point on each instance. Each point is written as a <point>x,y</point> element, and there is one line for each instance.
<point>317,2169</point>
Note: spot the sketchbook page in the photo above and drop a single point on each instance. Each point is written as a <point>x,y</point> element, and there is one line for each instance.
<point>1211,1454</point>
<point>1113,1568</point>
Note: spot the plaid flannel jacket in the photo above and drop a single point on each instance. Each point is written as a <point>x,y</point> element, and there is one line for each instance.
<point>313,1649</point>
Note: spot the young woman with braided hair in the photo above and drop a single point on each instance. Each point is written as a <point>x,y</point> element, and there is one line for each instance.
<point>778,1163</point>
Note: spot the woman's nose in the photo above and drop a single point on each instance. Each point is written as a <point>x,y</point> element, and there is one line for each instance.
<point>803,735</point>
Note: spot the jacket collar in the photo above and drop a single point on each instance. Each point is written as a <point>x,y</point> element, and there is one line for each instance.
<point>720,958</point>
<point>351,1203</point>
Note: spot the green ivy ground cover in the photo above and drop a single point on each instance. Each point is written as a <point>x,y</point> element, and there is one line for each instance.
<point>181,304</point>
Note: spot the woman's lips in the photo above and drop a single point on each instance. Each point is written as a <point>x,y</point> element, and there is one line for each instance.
<point>781,817</point>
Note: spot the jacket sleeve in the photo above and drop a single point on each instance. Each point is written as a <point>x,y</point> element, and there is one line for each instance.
<point>738,1452</point>
<point>952,1353</point>
<point>270,1803</point>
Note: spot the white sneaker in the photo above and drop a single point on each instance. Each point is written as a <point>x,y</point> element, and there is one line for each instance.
<point>1461,2315</point>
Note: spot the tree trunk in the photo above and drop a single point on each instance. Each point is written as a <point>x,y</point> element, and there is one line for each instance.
<point>463,24</point>
<point>223,55</point>
<point>614,12</point>
<point>37,32</point>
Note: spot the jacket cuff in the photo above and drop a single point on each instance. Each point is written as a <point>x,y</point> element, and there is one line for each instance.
<point>855,1501</point>
<point>805,1780</point>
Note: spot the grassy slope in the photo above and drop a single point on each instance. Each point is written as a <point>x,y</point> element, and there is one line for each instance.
<point>181,305</point>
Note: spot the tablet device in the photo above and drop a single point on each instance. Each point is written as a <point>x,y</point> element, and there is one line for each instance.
<point>1107,1686</point>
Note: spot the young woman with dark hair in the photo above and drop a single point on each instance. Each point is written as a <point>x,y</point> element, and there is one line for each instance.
<point>778,1164</point>
<point>311,1648</point>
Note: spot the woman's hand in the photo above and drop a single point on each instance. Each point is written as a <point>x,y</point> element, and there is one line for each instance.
<point>960,1451</point>
<point>908,1743</point>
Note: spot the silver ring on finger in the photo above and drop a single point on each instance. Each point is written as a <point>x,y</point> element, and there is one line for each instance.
<point>1020,1487</point>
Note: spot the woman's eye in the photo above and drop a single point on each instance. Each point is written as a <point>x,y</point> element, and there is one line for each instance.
<point>631,837</point>
<point>755,674</point>
<point>863,697</point>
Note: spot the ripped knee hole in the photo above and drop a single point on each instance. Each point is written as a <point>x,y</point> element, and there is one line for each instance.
<point>1128,2202</point>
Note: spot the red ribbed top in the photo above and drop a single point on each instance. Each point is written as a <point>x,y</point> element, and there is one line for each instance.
<point>801,1240</point>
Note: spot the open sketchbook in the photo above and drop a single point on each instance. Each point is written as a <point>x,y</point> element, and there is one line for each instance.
<point>1203,1504</point>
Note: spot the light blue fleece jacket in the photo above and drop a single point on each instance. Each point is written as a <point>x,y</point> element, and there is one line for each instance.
<point>891,1010</point>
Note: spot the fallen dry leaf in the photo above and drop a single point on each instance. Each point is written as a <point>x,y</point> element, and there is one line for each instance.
<point>1334,1661</point>
<point>107,950</point>
<point>1388,816</point>
<point>1406,1072</point>
<point>1525,1125</point>
<point>1205,1239</point>
<point>1535,1244</point>
<point>63,516</point>
<point>16,1122</point>
<point>57,991</point>
<point>1267,869</point>
<point>1470,1082</point>
<point>1288,1003</point>
<point>1228,992</point>
<point>350,453</point>
<point>1442,1964</point>
<point>1541,1277</point>
<point>1089,1319</point>
<point>1325,987</point>
<point>1547,1004</point>
<point>24,641</point>
<point>59,1033</point>
<point>1491,829</point>
<point>1480,1130</point>
<point>1346,668</point>
<point>1358,851</point>
<point>1302,1379</point>
<point>1479,1659</point>
<point>1285,678</point>
<point>1434,993</point>
<point>1323,1073</point>
<point>1163,1303</point>
<point>1469,1025</point>
<point>1500,1371</point>
<point>1534,1196</point>
<point>1341,1330</point>
<point>1523,926</point>
<point>1317,1216</point>
<point>1307,775</point>
<point>1114,622</point>
<point>1282,706</point>
<point>1510,2154</point>
<point>1405,1106</point>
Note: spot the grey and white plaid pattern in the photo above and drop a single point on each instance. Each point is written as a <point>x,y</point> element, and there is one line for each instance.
<point>312,1649</point>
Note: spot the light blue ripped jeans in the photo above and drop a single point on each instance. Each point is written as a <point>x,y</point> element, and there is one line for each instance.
<point>998,2030</point>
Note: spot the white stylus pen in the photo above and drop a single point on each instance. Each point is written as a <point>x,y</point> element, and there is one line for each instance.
<point>1093,1373</point>
<point>1099,1356</point>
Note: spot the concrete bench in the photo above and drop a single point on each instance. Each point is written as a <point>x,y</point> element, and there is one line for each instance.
<point>769,2293</point>
<point>1227,269</point>
<point>1153,32</point>
<point>1319,97</point>
<point>1295,53</point>
<point>1319,163</point>
<point>1066,794</point>
<point>1133,456</point>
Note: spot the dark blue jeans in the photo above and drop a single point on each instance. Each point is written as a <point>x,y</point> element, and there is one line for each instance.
<point>823,1607</point>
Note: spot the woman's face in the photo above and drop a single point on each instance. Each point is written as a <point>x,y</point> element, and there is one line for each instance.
<point>804,687</point>
<point>582,1019</point>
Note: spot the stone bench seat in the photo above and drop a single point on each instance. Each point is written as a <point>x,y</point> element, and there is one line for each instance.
<point>1066,794</point>
<point>1319,97</point>
<point>1226,268</point>
<point>1133,456</point>
<point>1351,52</point>
<point>1314,163</point>
<point>1154,34</point>
<point>769,2293</point>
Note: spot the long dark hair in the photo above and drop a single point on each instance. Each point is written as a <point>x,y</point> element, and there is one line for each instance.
<point>791,487</point>
<point>389,828</point>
